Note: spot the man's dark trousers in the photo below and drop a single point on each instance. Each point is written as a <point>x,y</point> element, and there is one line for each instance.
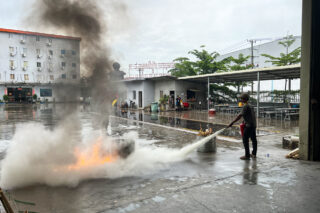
<point>249,132</point>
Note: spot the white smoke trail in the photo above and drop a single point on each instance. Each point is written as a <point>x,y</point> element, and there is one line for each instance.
<point>186,150</point>
<point>36,156</point>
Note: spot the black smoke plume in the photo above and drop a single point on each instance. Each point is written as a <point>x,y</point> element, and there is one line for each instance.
<point>85,19</point>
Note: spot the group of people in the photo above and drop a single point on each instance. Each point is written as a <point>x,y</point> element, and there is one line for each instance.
<point>179,103</point>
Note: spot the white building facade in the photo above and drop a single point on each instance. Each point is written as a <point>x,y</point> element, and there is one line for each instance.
<point>271,48</point>
<point>145,91</point>
<point>39,64</point>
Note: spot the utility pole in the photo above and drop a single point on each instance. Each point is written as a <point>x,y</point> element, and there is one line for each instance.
<point>252,59</point>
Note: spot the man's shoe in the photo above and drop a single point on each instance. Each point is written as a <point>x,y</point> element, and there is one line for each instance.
<point>253,156</point>
<point>245,158</point>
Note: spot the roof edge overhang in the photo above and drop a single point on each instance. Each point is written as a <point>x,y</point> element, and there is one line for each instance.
<point>39,34</point>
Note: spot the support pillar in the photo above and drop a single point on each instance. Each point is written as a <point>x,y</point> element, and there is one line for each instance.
<point>309,122</point>
<point>208,98</point>
<point>258,93</point>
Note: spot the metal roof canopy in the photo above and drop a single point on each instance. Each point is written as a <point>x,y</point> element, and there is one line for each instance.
<point>270,73</point>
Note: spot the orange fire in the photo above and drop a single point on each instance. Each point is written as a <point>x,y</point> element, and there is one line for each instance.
<point>93,156</point>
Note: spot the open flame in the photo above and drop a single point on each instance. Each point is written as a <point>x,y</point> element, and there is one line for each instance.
<point>94,156</point>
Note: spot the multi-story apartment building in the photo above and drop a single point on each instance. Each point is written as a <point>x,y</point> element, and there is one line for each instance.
<point>38,63</point>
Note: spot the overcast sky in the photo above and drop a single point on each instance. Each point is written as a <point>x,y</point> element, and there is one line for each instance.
<point>162,30</point>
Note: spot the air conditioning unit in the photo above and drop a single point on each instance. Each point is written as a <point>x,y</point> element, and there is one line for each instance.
<point>25,68</point>
<point>49,44</point>
<point>22,41</point>
<point>39,68</point>
<point>49,56</point>
<point>62,67</point>
<point>50,69</point>
<point>24,55</point>
<point>62,55</point>
<point>13,54</point>
<point>12,67</point>
<point>39,56</point>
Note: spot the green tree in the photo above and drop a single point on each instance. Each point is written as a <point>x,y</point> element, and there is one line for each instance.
<point>206,63</point>
<point>239,64</point>
<point>286,58</point>
<point>183,67</point>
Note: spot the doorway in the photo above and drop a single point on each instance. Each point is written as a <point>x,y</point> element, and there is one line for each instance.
<point>171,99</point>
<point>20,95</point>
<point>140,99</point>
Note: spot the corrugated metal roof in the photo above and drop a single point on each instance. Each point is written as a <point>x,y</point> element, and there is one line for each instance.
<point>157,78</point>
<point>38,34</point>
<point>270,73</point>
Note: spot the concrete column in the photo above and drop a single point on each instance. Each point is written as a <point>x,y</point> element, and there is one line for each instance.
<point>305,79</point>
<point>310,77</point>
<point>208,93</point>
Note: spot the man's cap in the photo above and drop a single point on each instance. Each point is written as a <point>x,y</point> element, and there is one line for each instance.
<point>245,96</point>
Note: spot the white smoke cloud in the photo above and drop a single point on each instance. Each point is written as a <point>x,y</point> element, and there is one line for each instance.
<point>37,155</point>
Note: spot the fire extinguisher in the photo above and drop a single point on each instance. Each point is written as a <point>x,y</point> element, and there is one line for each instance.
<point>242,126</point>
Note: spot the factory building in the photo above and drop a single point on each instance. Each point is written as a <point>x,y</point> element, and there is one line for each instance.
<point>40,64</point>
<point>265,46</point>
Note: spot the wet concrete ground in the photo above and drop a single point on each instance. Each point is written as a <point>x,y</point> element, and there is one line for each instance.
<point>217,182</point>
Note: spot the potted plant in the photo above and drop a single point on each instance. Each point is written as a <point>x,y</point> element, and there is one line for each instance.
<point>5,98</point>
<point>163,101</point>
<point>34,97</point>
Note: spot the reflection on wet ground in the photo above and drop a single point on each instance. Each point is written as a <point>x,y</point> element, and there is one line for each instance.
<point>214,182</point>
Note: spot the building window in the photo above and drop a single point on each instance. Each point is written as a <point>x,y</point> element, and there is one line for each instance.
<point>24,52</point>
<point>12,51</point>
<point>74,76</point>
<point>49,40</point>
<point>74,64</point>
<point>51,77</point>
<point>46,92</point>
<point>23,39</point>
<point>63,52</point>
<point>73,52</point>
<point>51,52</point>
<point>63,64</point>
<point>134,95</point>
<point>10,35</point>
<point>12,76</point>
<point>38,51</point>
<point>38,64</point>
<point>63,76</point>
<point>26,77</point>
<point>37,38</point>
<point>11,64</point>
<point>25,65</point>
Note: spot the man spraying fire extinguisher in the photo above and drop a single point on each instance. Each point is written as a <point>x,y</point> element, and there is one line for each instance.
<point>248,127</point>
